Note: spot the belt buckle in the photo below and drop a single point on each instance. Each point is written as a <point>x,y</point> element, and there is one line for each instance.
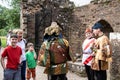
<point>53,66</point>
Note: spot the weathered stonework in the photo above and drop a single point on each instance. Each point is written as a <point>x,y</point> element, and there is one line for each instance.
<point>36,15</point>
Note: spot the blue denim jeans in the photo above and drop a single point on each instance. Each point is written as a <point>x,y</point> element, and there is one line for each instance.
<point>11,74</point>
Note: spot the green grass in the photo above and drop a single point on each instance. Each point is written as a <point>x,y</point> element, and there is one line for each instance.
<point>3,41</point>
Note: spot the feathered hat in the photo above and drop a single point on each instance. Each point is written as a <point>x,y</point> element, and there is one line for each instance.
<point>53,28</point>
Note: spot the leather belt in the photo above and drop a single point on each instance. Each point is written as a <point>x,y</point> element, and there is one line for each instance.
<point>63,64</point>
<point>86,53</point>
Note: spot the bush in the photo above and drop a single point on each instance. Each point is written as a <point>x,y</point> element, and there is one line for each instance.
<point>3,32</point>
<point>3,41</point>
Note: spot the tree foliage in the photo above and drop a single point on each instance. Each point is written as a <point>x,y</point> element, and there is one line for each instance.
<point>9,17</point>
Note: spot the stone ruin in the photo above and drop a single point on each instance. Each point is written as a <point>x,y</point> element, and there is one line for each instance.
<point>36,15</point>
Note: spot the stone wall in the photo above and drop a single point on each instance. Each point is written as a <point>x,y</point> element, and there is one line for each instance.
<point>87,15</point>
<point>36,15</point>
<point>106,13</point>
<point>115,65</point>
<point>73,21</point>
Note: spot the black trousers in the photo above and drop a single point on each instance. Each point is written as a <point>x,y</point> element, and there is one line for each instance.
<point>57,77</point>
<point>100,75</point>
<point>90,72</point>
<point>23,70</point>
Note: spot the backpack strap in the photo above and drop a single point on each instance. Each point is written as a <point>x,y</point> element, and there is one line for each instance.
<point>25,41</point>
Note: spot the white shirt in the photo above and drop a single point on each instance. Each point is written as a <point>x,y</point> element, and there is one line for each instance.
<point>21,44</point>
<point>88,50</point>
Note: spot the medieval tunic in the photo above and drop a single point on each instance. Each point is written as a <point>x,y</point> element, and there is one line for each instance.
<point>56,69</point>
<point>102,50</point>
